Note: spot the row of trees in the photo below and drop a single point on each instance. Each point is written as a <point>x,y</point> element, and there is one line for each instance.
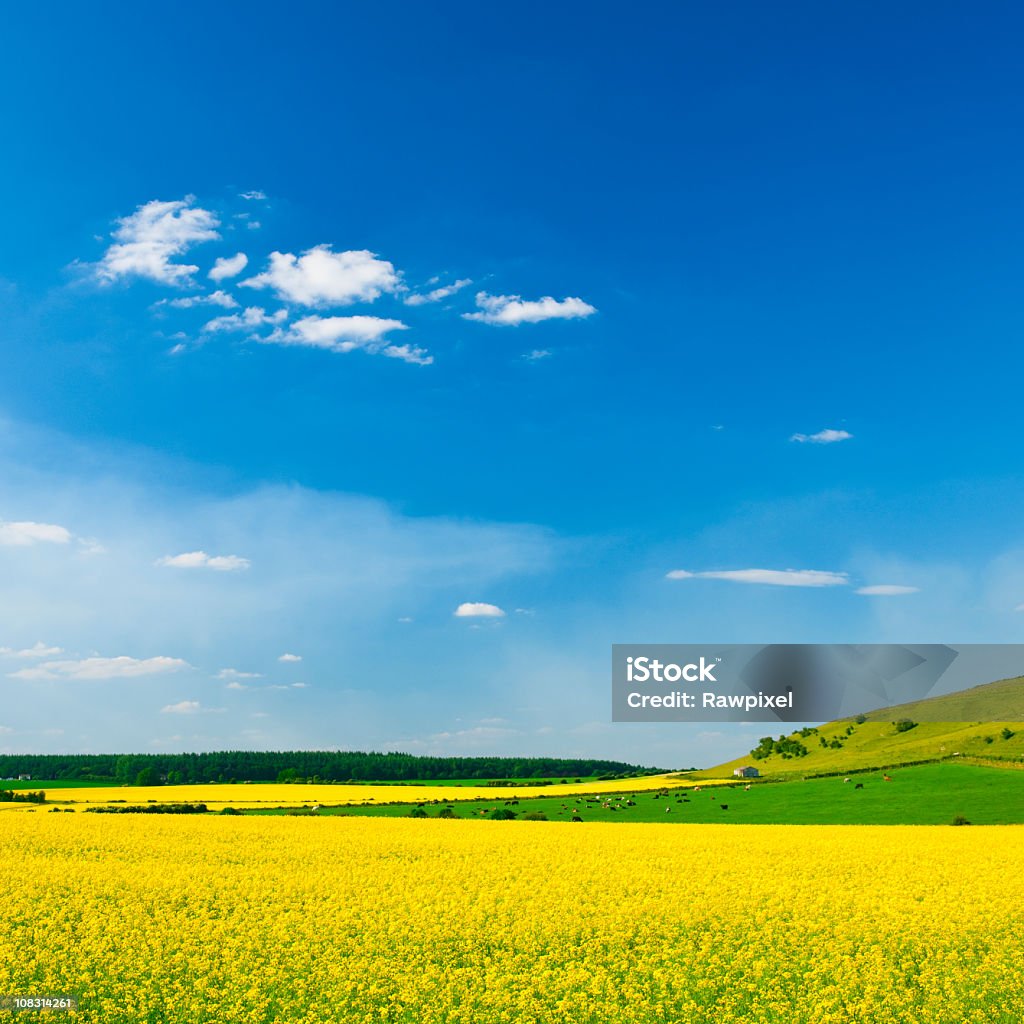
<point>14,796</point>
<point>324,765</point>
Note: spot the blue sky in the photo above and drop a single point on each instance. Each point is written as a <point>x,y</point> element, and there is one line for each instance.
<point>564,301</point>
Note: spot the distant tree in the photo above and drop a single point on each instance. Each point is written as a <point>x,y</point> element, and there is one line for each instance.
<point>147,777</point>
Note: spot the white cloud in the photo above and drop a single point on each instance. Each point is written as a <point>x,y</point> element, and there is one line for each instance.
<point>38,650</point>
<point>184,707</point>
<point>121,667</point>
<point>320,277</point>
<point>346,334</point>
<point>248,320</point>
<point>253,194</point>
<point>478,609</point>
<point>887,590</point>
<point>290,657</point>
<point>537,354</point>
<point>408,354</point>
<point>189,707</point>
<point>146,240</point>
<point>772,577</point>
<point>217,298</point>
<point>822,437</point>
<point>510,310</point>
<point>233,673</point>
<point>437,294</point>
<point>228,266</point>
<point>201,560</point>
<point>21,535</point>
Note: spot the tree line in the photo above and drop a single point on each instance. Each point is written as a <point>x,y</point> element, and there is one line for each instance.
<point>322,765</point>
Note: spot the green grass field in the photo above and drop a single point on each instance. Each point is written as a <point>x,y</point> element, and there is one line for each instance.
<point>51,784</point>
<point>922,795</point>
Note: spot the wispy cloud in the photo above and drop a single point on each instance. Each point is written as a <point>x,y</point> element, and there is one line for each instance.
<point>39,650</point>
<point>250,319</point>
<point>24,534</point>
<point>146,241</point>
<point>771,577</point>
<point>189,707</point>
<point>201,560</point>
<point>478,609</point>
<point>253,194</point>
<point>217,298</point>
<point>121,667</point>
<point>537,354</point>
<point>423,298</point>
<point>822,437</point>
<point>511,310</point>
<point>228,266</point>
<point>887,590</point>
<point>321,277</point>
<point>233,673</point>
<point>347,334</point>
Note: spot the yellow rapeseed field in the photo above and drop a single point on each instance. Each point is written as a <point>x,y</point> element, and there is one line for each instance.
<point>276,919</point>
<point>262,794</point>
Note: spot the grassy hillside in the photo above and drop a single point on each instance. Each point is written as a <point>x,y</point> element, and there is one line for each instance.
<point>848,745</point>
<point>1003,699</point>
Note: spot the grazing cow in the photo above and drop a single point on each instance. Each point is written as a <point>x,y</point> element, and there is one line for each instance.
<point>847,779</point>
<point>667,809</point>
<point>859,785</point>
<point>887,778</point>
<point>724,807</point>
<point>746,787</point>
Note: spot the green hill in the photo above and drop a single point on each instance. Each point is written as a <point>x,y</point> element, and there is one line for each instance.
<point>876,741</point>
